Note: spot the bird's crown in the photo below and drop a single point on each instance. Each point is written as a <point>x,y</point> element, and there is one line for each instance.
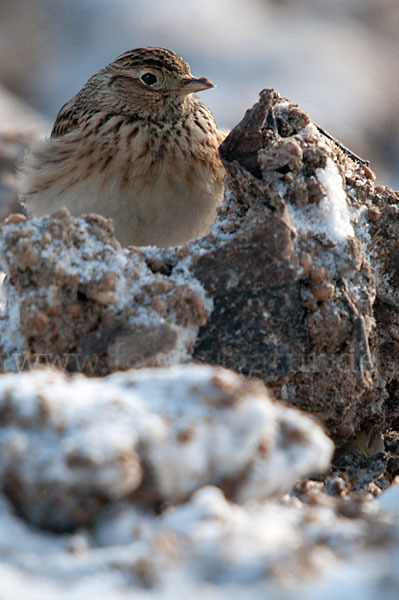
<point>160,58</point>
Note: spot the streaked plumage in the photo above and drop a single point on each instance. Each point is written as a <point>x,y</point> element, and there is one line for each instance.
<point>144,154</point>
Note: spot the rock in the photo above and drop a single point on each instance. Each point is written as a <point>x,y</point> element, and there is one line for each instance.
<point>295,283</point>
<point>155,435</point>
<point>292,273</point>
<point>78,301</point>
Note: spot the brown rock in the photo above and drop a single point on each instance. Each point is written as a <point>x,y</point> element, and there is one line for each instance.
<point>293,290</point>
<point>79,302</point>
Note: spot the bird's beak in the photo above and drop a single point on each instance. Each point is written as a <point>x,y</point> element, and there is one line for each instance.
<point>192,85</point>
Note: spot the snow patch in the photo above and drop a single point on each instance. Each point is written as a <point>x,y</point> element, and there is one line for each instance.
<point>331,216</point>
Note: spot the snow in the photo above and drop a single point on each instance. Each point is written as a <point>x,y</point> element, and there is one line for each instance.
<point>332,216</point>
<point>334,206</point>
<point>389,500</point>
<point>109,447</point>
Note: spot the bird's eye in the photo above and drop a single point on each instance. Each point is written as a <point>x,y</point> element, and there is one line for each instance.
<point>149,79</point>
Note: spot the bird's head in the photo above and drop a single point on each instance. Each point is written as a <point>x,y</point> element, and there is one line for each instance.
<point>152,78</point>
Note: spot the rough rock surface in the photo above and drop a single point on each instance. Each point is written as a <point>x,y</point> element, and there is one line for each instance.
<point>295,284</point>
<point>78,301</point>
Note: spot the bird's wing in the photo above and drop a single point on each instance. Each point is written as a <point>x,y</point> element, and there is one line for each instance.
<point>67,119</point>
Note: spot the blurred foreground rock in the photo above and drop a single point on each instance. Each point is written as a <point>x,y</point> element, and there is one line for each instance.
<point>122,467</point>
<point>209,548</point>
<point>297,283</point>
<point>151,435</point>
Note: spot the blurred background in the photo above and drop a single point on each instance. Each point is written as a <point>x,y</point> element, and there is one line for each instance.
<point>337,59</point>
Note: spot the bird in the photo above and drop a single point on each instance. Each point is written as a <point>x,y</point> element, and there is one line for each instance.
<point>135,145</point>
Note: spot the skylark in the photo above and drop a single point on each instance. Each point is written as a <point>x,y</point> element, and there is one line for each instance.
<point>135,144</point>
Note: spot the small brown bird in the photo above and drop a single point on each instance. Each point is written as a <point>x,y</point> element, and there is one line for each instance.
<point>135,145</point>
